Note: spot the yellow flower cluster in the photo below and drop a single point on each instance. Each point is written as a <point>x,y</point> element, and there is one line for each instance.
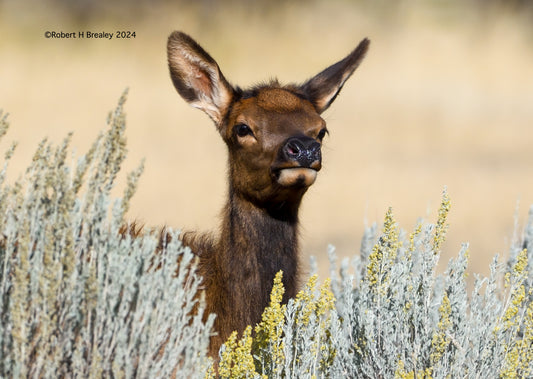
<point>402,374</point>
<point>442,227</point>
<point>269,330</point>
<point>520,351</point>
<point>304,300</point>
<point>320,307</point>
<point>237,360</point>
<point>409,256</point>
<point>440,339</point>
<point>412,237</point>
<point>383,255</point>
<point>516,279</point>
<point>326,300</point>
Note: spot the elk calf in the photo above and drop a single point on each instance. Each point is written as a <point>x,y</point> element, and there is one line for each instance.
<point>274,136</point>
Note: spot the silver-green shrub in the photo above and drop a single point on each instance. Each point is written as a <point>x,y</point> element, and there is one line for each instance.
<point>77,299</point>
<point>401,319</point>
<point>80,300</point>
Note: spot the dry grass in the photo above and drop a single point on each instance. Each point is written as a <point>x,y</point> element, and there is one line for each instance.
<point>444,98</point>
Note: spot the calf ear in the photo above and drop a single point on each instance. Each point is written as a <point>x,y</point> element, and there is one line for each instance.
<point>322,89</point>
<point>197,77</point>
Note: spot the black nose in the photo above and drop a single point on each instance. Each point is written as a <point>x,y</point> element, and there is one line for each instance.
<point>303,150</point>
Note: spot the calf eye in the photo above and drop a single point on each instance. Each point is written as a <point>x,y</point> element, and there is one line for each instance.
<point>322,134</point>
<point>243,130</point>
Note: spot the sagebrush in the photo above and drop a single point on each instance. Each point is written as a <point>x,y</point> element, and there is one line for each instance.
<point>78,299</point>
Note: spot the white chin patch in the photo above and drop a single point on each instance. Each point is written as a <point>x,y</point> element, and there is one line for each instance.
<point>297,176</point>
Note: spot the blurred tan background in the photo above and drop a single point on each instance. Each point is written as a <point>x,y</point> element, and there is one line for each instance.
<point>444,98</point>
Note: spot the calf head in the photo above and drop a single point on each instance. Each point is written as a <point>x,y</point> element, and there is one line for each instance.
<point>274,132</point>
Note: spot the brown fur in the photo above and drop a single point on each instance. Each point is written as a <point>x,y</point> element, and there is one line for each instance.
<point>273,134</point>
